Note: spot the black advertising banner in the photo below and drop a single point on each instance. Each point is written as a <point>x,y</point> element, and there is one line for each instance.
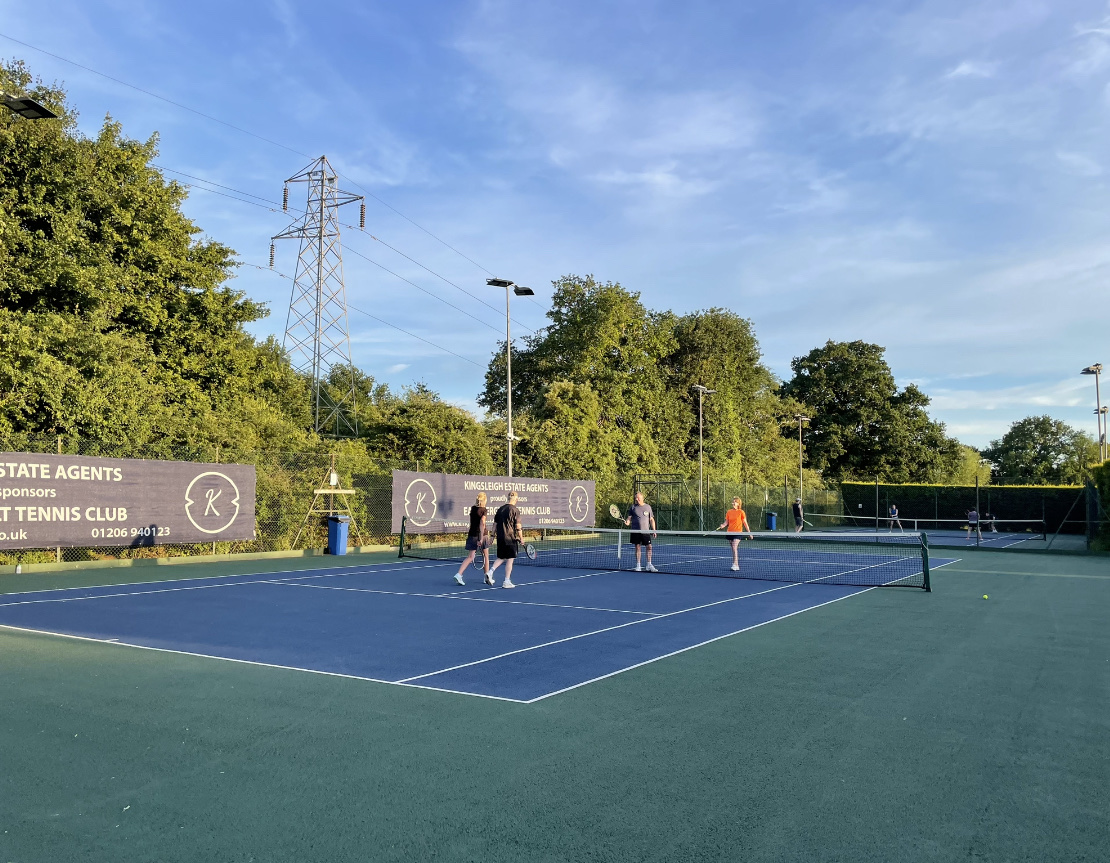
<point>440,502</point>
<point>74,501</point>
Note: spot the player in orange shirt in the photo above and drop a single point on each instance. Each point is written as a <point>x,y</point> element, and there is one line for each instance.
<point>736,522</point>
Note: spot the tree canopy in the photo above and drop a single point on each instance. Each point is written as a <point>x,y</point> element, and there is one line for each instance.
<point>118,323</point>
<point>1041,450</point>
<point>862,426</point>
<point>607,388</point>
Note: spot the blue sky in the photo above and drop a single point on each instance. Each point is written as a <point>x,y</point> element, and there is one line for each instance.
<point>929,176</point>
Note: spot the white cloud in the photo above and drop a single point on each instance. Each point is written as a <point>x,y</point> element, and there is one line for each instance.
<point>1077,163</point>
<point>396,367</point>
<point>972,69</point>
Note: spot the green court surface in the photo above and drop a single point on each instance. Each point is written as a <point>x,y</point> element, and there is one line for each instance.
<point>894,725</point>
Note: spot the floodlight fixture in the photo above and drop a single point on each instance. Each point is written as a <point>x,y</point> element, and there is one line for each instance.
<point>520,291</point>
<point>28,108</point>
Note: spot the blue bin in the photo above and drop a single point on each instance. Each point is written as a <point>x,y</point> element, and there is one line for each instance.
<point>338,527</point>
<point>772,520</point>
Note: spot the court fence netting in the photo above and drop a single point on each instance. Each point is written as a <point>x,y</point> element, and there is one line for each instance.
<point>858,559</point>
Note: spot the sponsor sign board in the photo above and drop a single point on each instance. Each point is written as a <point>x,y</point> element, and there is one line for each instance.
<point>440,502</point>
<point>74,501</point>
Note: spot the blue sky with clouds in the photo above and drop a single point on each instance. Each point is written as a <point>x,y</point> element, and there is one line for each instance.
<point>929,176</point>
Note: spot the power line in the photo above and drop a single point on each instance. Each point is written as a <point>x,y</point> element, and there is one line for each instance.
<point>424,290</point>
<point>273,209</point>
<point>374,317</point>
<point>245,132</point>
<point>218,185</point>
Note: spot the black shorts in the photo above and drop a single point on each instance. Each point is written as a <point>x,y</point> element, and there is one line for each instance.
<point>641,539</point>
<point>476,543</point>
<point>506,551</point>
<point>734,537</point>
<point>798,521</point>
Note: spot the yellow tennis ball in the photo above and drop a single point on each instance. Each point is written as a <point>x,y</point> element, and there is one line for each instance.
<point>985,596</point>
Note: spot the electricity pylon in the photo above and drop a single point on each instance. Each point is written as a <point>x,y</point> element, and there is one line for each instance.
<point>317,337</point>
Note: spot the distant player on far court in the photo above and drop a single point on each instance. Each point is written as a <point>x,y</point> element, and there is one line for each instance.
<point>894,520</point>
<point>736,523</point>
<point>509,534</point>
<point>642,520</point>
<point>799,516</point>
<point>973,523</point>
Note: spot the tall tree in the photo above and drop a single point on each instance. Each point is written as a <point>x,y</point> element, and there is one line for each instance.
<point>1041,450</point>
<point>118,322</point>
<point>744,419</point>
<point>861,425</point>
<point>602,339</point>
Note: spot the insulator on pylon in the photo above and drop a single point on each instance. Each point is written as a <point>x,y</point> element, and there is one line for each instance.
<point>271,256</point>
<point>362,216</point>
<point>285,198</point>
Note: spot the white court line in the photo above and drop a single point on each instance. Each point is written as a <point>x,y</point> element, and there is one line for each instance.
<point>455,596</point>
<point>117,643</point>
<point>353,569</point>
<point>693,646</point>
<point>623,625</point>
<point>175,589</point>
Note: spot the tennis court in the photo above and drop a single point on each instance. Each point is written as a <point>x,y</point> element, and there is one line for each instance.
<point>407,623</point>
<point>890,724</point>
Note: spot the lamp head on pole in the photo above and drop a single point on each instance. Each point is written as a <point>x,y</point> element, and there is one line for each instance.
<point>28,108</point>
<point>1093,369</point>
<point>705,391</point>
<point>802,418</point>
<point>499,283</point>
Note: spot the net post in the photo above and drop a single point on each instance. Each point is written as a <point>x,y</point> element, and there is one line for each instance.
<point>619,533</point>
<point>925,562</point>
<point>401,545</point>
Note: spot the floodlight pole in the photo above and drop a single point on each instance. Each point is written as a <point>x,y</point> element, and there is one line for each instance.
<point>520,291</point>
<point>801,418</point>
<point>702,392</point>
<point>1096,369</point>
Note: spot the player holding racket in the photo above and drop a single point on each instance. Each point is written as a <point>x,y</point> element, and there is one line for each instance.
<point>641,514</point>
<point>476,538</point>
<point>736,523</point>
<point>509,536</point>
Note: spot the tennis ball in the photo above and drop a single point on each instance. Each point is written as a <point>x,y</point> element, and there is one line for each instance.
<point>985,596</point>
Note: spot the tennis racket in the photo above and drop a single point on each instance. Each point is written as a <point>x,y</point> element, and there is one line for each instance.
<point>614,512</point>
<point>530,550</point>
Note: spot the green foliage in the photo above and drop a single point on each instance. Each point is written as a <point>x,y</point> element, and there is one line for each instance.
<point>1041,450</point>
<point>420,426</point>
<point>862,425</point>
<point>744,420</point>
<point>118,324</point>
<point>606,391</point>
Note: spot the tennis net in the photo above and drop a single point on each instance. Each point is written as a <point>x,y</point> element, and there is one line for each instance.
<point>865,559</point>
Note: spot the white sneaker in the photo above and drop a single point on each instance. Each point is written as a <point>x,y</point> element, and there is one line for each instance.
<point>637,569</point>
<point>458,579</point>
<point>735,568</point>
<point>508,584</point>
<point>489,580</point>
<point>651,568</point>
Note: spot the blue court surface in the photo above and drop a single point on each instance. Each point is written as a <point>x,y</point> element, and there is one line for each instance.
<point>407,623</point>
